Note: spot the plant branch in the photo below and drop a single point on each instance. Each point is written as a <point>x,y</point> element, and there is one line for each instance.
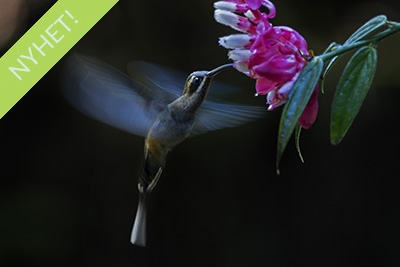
<point>394,27</point>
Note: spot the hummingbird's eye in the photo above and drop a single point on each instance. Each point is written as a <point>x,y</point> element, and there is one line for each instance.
<point>196,80</point>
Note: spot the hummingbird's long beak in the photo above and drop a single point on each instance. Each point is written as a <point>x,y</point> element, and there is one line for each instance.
<point>215,71</point>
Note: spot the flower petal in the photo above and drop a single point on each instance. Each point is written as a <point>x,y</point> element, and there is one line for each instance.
<point>277,68</point>
<point>275,100</point>
<point>271,7</point>
<point>254,4</point>
<point>264,86</point>
<point>311,111</point>
<point>292,36</point>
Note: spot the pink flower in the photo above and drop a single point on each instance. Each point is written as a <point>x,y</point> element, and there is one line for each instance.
<point>310,112</point>
<point>274,56</point>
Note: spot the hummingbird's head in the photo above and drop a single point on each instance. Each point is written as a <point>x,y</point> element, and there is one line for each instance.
<point>194,93</point>
<point>199,82</point>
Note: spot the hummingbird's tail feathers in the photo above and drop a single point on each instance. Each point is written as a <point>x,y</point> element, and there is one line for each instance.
<point>138,235</point>
<point>155,180</point>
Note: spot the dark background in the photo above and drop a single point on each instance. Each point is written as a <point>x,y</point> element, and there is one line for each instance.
<point>68,184</point>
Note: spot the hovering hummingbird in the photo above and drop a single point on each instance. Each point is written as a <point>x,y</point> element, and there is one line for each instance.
<point>152,105</point>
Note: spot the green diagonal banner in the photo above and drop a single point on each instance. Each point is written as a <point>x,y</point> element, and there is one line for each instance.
<point>66,22</point>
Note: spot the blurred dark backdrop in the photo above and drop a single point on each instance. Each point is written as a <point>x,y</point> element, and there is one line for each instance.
<point>68,184</point>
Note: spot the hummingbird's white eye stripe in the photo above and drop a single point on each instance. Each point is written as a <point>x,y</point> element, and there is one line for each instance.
<point>194,83</point>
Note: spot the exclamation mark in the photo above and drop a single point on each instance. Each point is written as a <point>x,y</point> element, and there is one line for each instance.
<point>69,14</point>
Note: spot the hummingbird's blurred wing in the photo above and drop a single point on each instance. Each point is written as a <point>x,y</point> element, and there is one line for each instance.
<point>154,76</point>
<point>213,116</point>
<point>106,94</point>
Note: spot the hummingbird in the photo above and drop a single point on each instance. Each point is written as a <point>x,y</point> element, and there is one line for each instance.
<point>149,103</point>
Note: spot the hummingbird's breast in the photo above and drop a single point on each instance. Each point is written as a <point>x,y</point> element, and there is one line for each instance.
<point>170,130</point>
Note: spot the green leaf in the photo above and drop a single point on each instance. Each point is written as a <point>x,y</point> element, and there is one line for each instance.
<point>351,91</point>
<point>297,134</point>
<point>370,26</point>
<point>298,99</point>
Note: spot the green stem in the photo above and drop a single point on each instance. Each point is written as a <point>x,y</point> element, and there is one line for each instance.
<point>394,27</point>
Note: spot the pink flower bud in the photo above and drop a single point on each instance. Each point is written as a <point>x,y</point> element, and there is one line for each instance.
<point>235,41</point>
<point>231,7</point>
<point>242,66</point>
<point>234,21</point>
<point>240,54</point>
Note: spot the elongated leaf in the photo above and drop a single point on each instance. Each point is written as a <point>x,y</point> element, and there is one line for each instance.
<point>297,134</point>
<point>370,26</point>
<point>351,91</point>
<point>298,99</point>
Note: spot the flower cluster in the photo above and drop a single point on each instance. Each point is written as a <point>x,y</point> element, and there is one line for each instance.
<point>274,55</point>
